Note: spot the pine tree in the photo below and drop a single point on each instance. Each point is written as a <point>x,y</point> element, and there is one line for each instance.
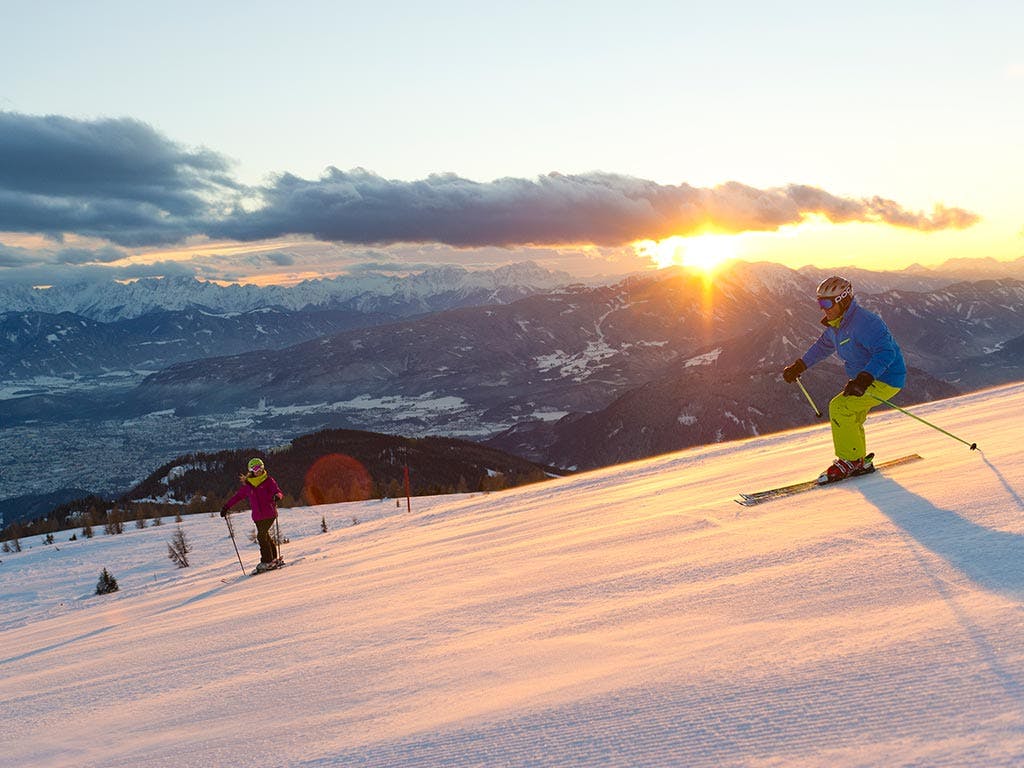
<point>106,584</point>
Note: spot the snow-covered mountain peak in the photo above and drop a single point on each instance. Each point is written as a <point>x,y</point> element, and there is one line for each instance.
<point>110,301</point>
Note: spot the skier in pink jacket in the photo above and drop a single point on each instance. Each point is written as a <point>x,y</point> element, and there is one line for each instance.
<point>263,494</point>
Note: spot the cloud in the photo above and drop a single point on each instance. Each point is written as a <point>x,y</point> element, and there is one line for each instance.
<point>17,256</point>
<point>598,208</point>
<point>12,256</point>
<point>280,258</point>
<point>118,179</point>
<point>941,218</point>
<point>878,209</point>
<point>88,255</point>
<point>123,182</point>
<point>36,273</point>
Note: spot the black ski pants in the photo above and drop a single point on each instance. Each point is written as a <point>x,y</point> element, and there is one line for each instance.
<point>268,549</point>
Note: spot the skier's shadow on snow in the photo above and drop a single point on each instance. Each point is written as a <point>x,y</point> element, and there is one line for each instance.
<point>989,557</point>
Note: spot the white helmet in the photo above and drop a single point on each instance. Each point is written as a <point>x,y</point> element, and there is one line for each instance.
<point>835,290</point>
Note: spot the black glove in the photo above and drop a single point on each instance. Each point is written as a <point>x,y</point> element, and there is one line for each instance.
<point>223,511</point>
<point>858,386</point>
<point>792,372</point>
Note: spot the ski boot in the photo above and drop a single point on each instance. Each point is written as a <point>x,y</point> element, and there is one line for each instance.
<point>840,469</point>
<point>272,565</point>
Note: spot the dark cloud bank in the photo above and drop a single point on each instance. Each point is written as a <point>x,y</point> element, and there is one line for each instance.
<point>121,180</point>
<point>115,179</point>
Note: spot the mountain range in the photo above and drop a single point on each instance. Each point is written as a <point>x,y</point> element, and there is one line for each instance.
<point>709,355</point>
<point>373,292</point>
<point>103,333</point>
<point>574,377</point>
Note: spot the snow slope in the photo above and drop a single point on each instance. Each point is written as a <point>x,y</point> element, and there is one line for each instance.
<point>633,616</point>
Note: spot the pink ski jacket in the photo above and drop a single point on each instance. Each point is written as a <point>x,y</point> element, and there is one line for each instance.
<point>262,498</point>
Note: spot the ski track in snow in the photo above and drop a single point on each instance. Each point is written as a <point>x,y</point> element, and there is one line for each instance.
<point>629,617</point>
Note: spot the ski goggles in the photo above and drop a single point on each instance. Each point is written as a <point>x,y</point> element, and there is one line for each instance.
<point>827,302</point>
<point>255,469</point>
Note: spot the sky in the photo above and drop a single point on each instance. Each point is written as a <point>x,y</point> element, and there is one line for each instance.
<point>239,141</point>
<point>630,617</point>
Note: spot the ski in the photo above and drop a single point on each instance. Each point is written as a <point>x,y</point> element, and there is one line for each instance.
<point>249,574</point>
<point>759,497</point>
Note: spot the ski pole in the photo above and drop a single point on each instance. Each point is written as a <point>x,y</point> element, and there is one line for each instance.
<point>231,533</point>
<point>808,396</point>
<point>277,527</point>
<point>973,446</point>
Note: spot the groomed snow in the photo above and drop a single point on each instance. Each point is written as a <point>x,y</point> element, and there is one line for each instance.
<point>633,616</point>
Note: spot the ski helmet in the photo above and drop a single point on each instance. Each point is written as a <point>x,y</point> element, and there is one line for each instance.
<point>835,290</point>
<point>255,465</point>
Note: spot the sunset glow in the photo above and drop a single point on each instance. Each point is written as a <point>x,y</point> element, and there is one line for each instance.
<point>704,252</point>
<point>116,178</point>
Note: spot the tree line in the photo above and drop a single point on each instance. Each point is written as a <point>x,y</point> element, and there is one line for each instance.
<point>329,466</point>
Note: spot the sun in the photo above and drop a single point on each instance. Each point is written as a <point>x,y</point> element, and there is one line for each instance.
<point>704,252</point>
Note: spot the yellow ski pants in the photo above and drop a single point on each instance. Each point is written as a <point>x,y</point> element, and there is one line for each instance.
<point>848,415</point>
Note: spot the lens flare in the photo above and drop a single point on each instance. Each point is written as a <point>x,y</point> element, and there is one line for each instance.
<point>335,478</point>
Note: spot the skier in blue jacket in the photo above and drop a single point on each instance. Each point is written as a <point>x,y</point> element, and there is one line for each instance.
<point>873,362</point>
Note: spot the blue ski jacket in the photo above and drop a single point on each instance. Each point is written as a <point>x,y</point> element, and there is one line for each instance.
<point>863,342</point>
